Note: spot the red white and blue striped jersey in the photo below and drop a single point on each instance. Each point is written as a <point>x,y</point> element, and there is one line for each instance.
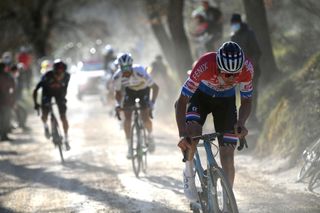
<point>205,77</point>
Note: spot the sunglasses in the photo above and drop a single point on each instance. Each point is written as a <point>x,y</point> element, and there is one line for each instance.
<point>126,68</point>
<point>229,75</point>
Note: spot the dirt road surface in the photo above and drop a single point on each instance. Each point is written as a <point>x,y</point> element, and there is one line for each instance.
<point>97,177</point>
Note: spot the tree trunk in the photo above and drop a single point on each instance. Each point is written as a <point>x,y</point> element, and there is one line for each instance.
<point>180,42</point>
<point>159,31</point>
<point>257,19</point>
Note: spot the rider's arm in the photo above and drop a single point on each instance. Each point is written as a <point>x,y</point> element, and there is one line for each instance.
<point>244,111</point>
<point>35,92</point>
<point>181,107</point>
<point>155,92</point>
<point>66,84</point>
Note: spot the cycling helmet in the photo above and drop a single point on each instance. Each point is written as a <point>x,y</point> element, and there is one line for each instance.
<point>125,61</point>
<point>230,57</point>
<point>58,63</point>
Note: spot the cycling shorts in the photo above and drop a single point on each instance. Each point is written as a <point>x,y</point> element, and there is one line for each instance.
<point>131,95</point>
<point>223,110</point>
<point>60,101</point>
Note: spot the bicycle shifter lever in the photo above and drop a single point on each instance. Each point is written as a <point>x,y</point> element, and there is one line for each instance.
<point>243,141</point>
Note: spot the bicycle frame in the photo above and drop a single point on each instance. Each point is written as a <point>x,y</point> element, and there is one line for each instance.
<point>208,199</point>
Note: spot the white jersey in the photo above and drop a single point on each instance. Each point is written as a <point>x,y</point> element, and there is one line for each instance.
<point>138,80</point>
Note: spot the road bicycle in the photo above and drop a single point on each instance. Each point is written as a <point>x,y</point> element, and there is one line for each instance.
<point>215,193</point>
<point>138,141</point>
<point>56,135</point>
<point>311,166</point>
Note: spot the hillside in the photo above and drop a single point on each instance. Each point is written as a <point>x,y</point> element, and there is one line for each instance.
<point>291,110</point>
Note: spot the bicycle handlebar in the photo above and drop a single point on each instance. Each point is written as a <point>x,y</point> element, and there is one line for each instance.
<point>212,137</point>
<point>131,108</point>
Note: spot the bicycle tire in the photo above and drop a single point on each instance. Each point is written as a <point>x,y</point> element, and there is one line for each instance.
<point>228,199</point>
<point>314,181</point>
<point>135,148</point>
<point>305,171</point>
<point>144,162</point>
<point>57,138</point>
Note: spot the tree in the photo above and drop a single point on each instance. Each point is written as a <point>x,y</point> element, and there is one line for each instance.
<point>36,20</point>
<point>257,19</point>
<point>173,42</point>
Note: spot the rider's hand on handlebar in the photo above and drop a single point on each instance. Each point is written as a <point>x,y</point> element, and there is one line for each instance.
<point>240,130</point>
<point>184,143</point>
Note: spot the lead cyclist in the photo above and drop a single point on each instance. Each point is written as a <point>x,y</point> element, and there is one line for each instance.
<point>210,88</point>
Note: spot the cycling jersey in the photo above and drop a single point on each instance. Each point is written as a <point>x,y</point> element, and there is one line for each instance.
<point>138,80</point>
<point>51,86</point>
<point>205,77</point>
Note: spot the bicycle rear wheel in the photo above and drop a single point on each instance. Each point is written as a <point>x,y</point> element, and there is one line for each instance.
<point>136,156</point>
<point>220,194</point>
<point>57,140</point>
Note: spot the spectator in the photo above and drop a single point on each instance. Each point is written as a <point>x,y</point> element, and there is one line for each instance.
<point>7,98</point>
<point>25,58</point>
<point>200,33</point>
<point>158,69</point>
<point>215,26</point>
<point>246,38</point>
<point>19,109</point>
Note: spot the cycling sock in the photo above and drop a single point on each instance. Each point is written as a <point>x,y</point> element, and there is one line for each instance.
<point>189,171</point>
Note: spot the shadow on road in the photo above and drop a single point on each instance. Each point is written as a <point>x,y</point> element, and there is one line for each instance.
<point>85,167</point>
<point>165,182</point>
<point>51,180</point>
<point>8,153</point>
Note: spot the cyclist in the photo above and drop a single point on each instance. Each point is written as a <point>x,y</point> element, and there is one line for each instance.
<point>54,83</point>
<point>210,88</point>
<point>136,82</point>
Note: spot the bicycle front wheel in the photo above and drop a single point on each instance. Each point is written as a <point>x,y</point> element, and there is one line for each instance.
<point>136,156</point>
<point>144,150</point>
<point>305,171</point>
<point>314,181</point>
<point>220,194</point>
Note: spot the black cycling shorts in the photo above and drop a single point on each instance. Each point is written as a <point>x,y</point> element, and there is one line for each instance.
<point>223,110</point>
<point>131,95</point>
<point>60,101</point>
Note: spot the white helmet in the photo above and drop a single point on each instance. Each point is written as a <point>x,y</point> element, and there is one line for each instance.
<point>230,57</point>
<point>125,61</point>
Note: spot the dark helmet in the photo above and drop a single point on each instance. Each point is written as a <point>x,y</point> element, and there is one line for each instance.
<point>230,57</point>
<point>58,63</point>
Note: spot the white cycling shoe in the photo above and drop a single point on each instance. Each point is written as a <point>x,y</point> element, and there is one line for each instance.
<point>189,188</point>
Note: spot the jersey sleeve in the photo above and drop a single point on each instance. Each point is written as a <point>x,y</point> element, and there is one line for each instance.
<point>117,81</point>
<point>246,87</point>
<point>193,81</point>
<point>149,80</point>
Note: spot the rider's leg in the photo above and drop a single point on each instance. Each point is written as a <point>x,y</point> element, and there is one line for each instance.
<point>225,117</point>
<point>227,162</point>
<point>145,114</point>
<point>127,123</point>
<point>62,106</point>
<point>44,118</point>
<point>65,125</point>
<point>127,130</point>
